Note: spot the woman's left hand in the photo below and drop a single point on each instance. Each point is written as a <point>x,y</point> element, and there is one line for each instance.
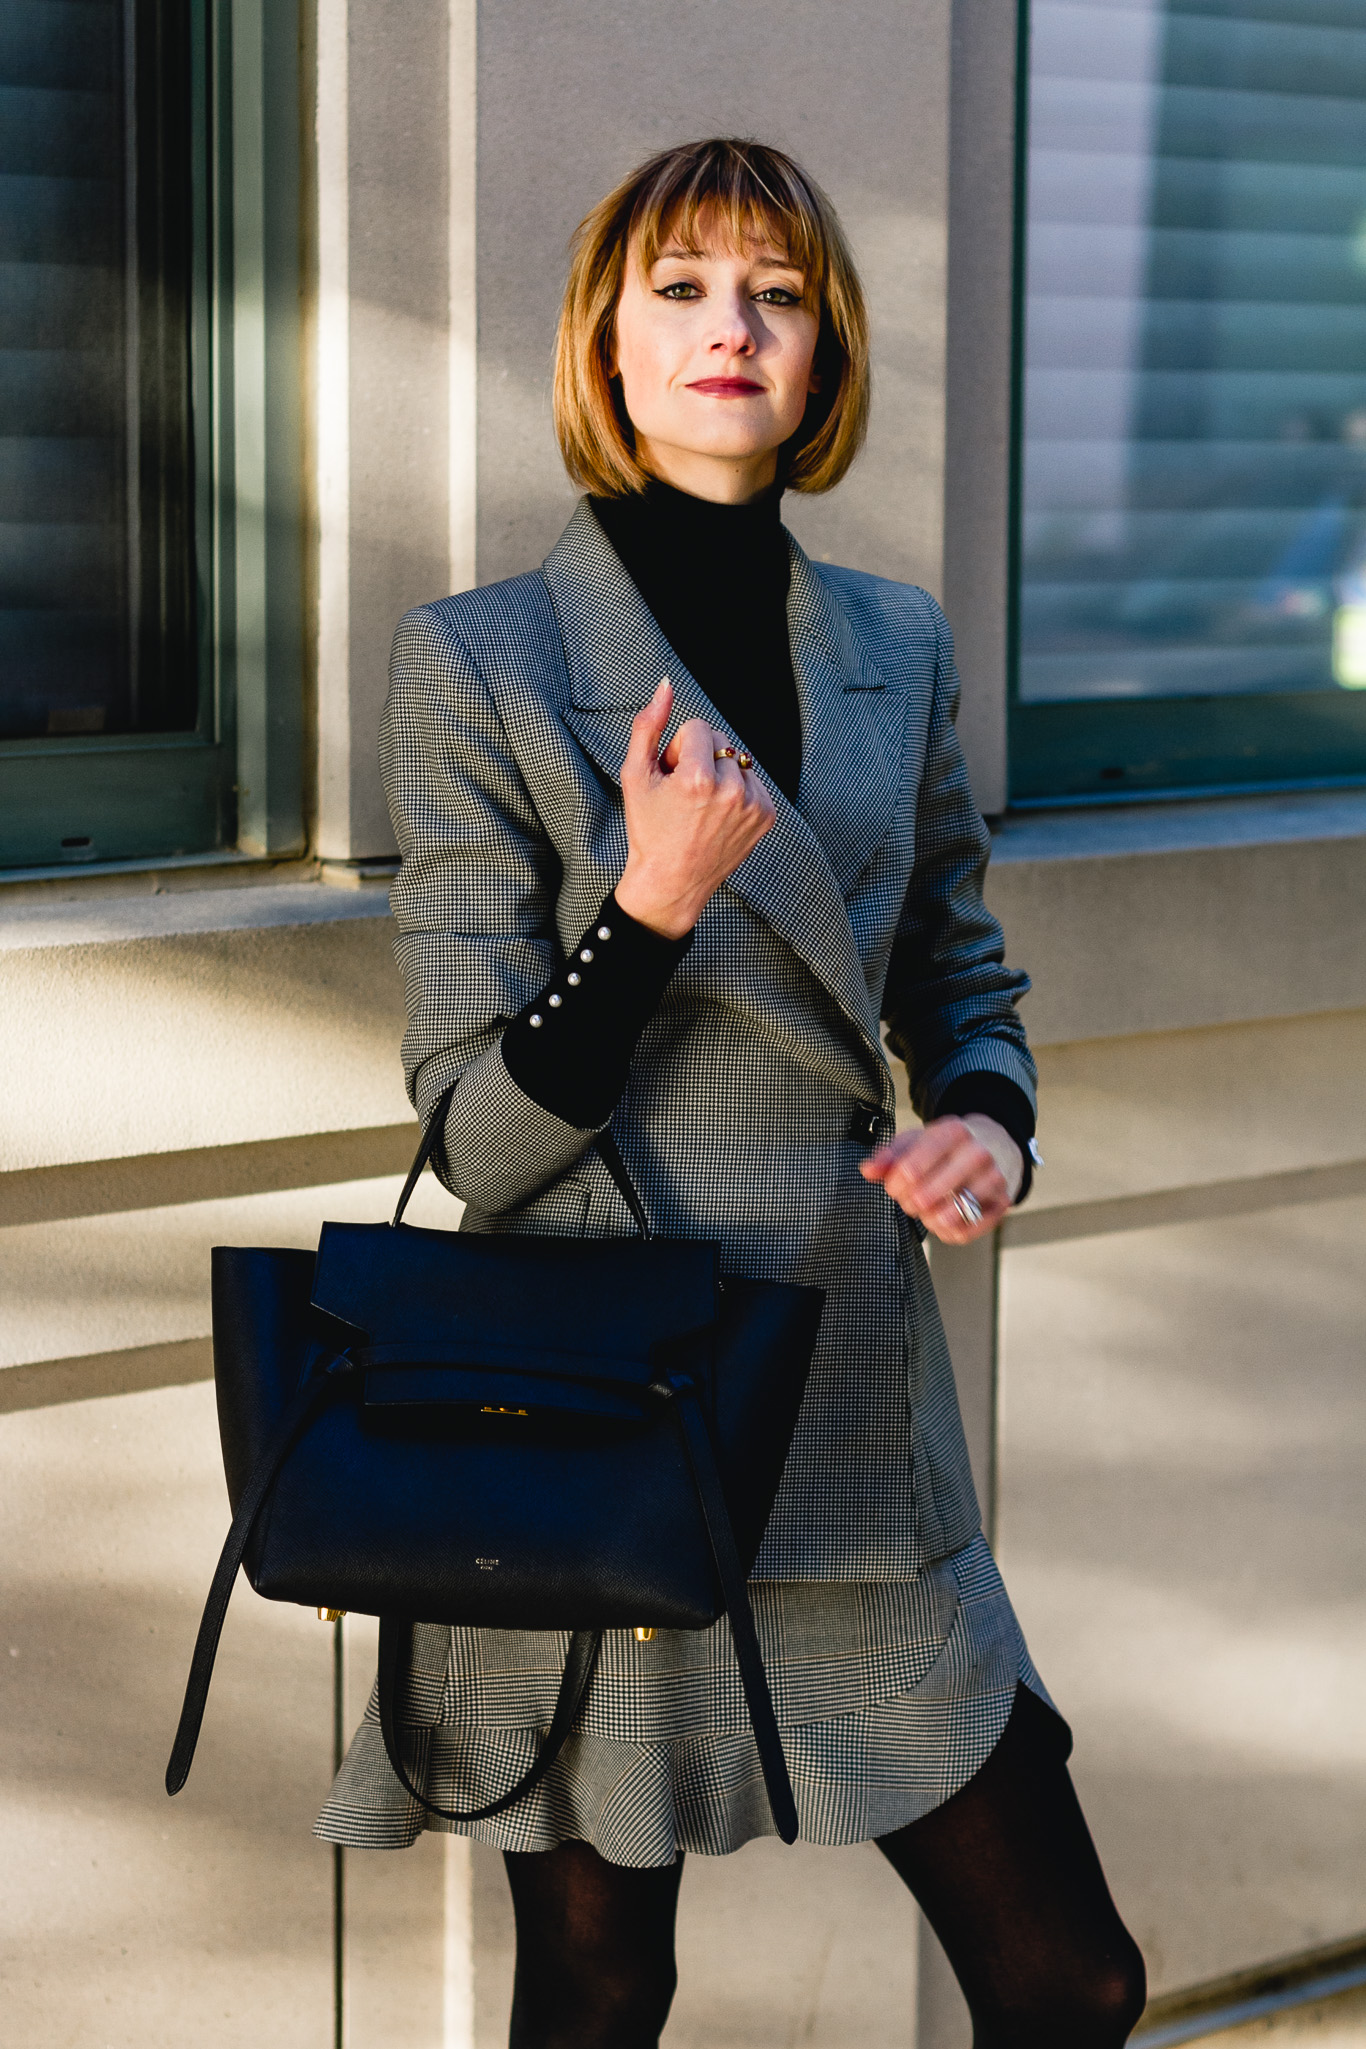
<point>923,1170</point>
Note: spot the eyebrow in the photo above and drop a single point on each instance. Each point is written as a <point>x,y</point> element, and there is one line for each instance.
<point>768,256</point>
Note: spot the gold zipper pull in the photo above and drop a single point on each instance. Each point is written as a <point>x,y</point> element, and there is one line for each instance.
<point>643,1635</point>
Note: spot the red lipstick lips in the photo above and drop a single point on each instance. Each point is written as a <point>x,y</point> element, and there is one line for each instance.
<point>726,387</point>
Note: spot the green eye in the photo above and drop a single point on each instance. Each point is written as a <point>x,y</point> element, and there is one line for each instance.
<point>681,289</point>
<point>777,295</point>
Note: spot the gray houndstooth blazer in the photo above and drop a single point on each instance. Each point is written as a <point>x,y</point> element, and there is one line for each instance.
<point>758,1085</point>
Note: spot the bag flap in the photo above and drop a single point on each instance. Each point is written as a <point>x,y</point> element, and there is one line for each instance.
<point>429,1390</point>
<point>608,1298</point>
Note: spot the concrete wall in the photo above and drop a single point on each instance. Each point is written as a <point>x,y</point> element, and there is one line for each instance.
<point>1159,1364</point>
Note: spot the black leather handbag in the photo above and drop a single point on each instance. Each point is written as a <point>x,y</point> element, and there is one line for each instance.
<point>499,1429</point>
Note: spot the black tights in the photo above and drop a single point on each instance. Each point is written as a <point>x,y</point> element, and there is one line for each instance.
<point>1005,1872</point>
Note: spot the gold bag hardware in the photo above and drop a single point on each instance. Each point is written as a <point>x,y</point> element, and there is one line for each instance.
<point>331,1614</point>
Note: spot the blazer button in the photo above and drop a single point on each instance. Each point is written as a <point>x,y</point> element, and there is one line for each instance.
<point>866,1124</point>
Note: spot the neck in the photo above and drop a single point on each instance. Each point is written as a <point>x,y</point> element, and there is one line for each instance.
<point>722,480</point>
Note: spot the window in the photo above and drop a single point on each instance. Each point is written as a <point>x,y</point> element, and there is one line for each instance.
<point>1192,544</point>
<point>126,231</point>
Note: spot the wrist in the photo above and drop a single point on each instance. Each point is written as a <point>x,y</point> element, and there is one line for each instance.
<point>653,904</point>
<point>1002,1147</point>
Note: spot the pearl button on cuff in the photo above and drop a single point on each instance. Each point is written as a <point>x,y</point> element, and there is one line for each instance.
<point>587,953</point>
<point>535,1019</point>
<point>555,1002</point>
<point>574,980</point>
<point>604,931</point>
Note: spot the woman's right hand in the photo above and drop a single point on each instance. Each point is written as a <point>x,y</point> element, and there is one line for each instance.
<point>690,819</point>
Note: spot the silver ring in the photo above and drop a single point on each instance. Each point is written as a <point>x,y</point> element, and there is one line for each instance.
<point>967,1205</point>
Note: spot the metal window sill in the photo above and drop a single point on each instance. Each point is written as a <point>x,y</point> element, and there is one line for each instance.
<point>1112,831</point>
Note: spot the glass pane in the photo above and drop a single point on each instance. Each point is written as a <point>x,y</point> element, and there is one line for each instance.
<point>95,590</point>
<point>1194,462</point>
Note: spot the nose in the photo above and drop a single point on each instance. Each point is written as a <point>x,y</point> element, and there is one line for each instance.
<point>734,333</point>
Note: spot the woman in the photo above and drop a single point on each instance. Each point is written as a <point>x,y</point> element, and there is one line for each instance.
<point>682,817</point>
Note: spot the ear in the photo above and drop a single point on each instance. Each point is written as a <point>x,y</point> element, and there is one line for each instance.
<point>813,384</point>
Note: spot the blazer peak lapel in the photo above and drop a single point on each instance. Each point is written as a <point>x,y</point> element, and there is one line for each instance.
<point>853,727</point>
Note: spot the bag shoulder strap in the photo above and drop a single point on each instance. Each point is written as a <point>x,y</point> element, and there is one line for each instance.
<point>316,1390</point>
<point>395,1654</point>
<point>702,1458</point>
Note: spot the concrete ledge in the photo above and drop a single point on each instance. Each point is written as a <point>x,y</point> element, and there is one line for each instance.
<point>171,1024</point>
<point>47,1382</point>
<point>1197,1205</point>
<point>1132,924</point>
<point>1248,1996</point>
<point>93,1188</point>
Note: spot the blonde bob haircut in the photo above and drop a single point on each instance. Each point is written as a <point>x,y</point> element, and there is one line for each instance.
<point>749,194</point>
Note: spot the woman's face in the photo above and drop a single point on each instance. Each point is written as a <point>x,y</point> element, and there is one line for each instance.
<point>715,349</point>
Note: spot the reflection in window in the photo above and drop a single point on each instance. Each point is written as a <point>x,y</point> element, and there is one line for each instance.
<point>1194,464</point>
<point>95,582</point>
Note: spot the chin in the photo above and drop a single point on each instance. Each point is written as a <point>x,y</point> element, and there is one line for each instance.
<point>730,447</point>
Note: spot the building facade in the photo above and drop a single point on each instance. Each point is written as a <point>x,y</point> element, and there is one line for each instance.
<point>279,283</point>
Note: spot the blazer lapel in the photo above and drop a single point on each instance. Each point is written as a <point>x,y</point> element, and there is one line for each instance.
<point>616,655</point>
<point>853,728</point>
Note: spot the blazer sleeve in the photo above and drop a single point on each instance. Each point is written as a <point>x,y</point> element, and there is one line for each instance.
<point>949,999</point>
<point>474,902</point>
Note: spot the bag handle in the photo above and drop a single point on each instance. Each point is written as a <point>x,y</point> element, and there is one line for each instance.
<point>395,1645</point>
<point>604,1143</point>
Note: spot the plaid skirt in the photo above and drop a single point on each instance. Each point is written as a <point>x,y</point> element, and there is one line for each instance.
<point>889,1695</point>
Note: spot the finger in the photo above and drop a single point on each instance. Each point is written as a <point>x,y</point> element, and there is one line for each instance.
<point>928,1189</point>
<point>647,730</point>
<point>935,1150</point>
<point>976,1172</point>
<point>693,747</point>
<point>950,1227</point>
<point>917,1151</point>
<point>730,777</point>
<point>762,800</point>
<point>987,1190</point>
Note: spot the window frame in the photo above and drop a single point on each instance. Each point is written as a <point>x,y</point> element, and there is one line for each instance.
<point>1064,752</point>
<point>234,782</point>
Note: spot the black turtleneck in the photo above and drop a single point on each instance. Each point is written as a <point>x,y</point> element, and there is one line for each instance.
<point>715,578</point>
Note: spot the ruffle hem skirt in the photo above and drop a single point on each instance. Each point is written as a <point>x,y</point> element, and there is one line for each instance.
<point>889,1696</point>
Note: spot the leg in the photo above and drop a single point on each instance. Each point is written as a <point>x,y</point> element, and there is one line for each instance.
<point>595,1950</point>
<point>1009,1879</point>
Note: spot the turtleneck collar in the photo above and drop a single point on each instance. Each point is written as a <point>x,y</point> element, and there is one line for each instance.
<point>706,515</point>
<point>716,579</point>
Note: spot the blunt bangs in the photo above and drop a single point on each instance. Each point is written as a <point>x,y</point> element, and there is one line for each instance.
<point>748,194</point>
<point>739,205</point>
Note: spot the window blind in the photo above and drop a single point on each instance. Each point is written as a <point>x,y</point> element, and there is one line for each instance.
<point>95,586</point>
<point>1194,436</point>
